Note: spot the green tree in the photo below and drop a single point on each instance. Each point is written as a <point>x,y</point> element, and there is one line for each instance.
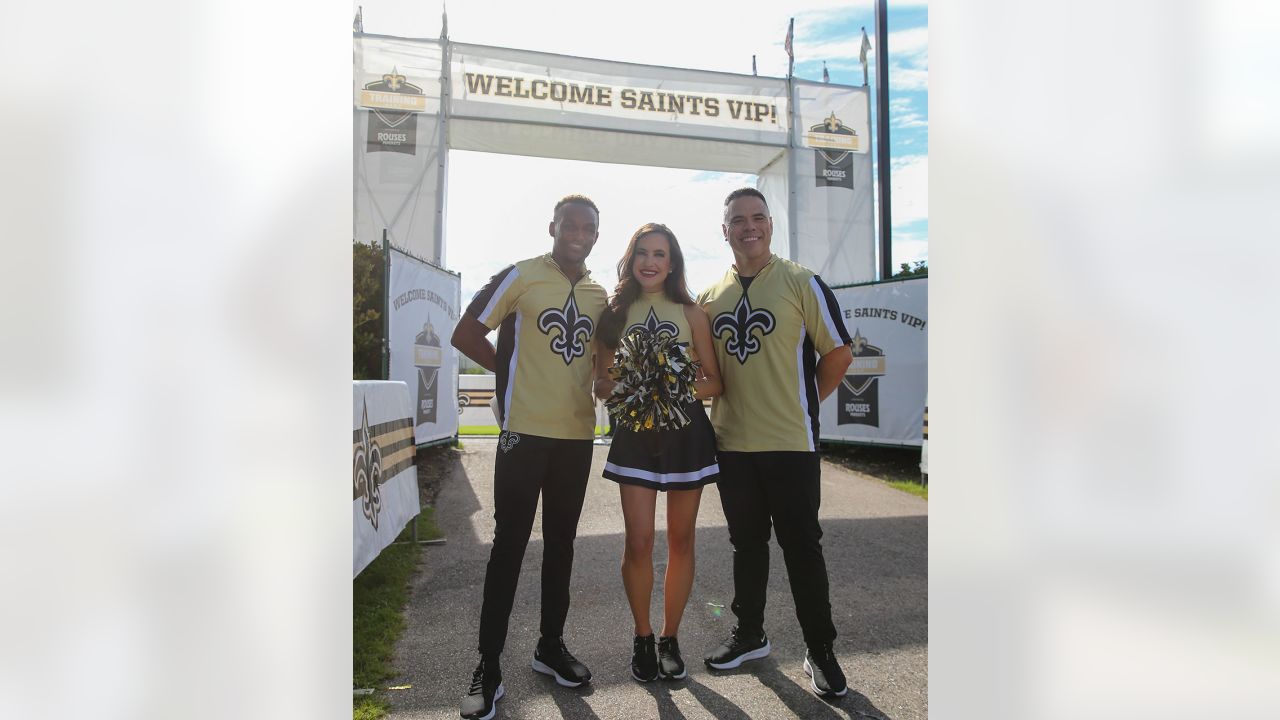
<point>369,304</point>
<point>919,267</point>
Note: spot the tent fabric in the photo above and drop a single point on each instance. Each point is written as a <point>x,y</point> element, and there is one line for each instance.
<point>816,175</point>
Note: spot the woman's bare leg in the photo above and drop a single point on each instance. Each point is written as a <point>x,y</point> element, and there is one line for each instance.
<point>638,505</point>
<point>682,518</point>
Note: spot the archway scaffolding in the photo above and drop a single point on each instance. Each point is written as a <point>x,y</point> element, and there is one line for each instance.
<point>415,99</point>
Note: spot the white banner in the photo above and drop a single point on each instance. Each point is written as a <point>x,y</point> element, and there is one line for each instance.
<point>881,399</point>
<point>398,143</point>
<point>831,181</point>
<point>525,86</point>
<point>383,474</point>
<point>423,304</point>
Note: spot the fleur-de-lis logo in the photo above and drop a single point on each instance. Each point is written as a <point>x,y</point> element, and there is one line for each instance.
<point>367,473</point>
<point>508,440</point>
<point>859,342</point>
<point>394,79</point>
<point>655,326</point>
<point>740,324</point>
<point>575,329</point>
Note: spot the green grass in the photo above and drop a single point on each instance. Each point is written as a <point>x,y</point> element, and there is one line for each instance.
<point>378,597</point>
<point>370,708</point>
<point>914,488</point>
<point>897,467</point>
<point>477,429</point>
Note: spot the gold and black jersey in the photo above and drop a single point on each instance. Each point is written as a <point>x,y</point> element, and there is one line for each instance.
<point>768,338</point>
<point>658,314</point>
<point>545,325</point>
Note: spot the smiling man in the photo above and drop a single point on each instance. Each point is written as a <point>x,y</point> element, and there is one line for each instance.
<point>782,348</point>
<point>545,310</point>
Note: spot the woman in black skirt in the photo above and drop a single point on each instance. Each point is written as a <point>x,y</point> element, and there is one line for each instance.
<point>652,296</point>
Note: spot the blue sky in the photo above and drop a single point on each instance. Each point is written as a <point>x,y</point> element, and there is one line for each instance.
<point>484,233</point>
<point>834,37</point>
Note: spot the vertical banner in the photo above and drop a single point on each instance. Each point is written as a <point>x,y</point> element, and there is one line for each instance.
<point>881,398</point>
<point>830,176</point>
<point>423,303</point>
<point>383,474</point>
<point>397,129</point>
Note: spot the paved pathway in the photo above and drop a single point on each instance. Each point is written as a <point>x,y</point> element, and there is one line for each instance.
<point>875,543</point>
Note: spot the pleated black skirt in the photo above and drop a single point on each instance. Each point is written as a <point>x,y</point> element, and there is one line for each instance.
<point>666,459</point>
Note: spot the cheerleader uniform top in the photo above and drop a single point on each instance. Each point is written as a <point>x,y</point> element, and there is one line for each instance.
<point>655,312</point>
<point>685,458</point>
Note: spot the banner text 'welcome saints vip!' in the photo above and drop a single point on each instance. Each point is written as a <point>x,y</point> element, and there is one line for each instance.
<point>627,98</point>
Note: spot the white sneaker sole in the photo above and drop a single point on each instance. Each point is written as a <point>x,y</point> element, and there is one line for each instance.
<point>546,670</point>
<point>753,655</point>
<point>808,670</point>
<point>683,674</point>
<point>497,695</point>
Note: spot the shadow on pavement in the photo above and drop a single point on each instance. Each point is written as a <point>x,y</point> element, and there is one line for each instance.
<point>879,592</point>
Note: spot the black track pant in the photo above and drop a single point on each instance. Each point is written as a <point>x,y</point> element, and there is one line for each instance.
<point>779,489</point>
<point>526,466</point>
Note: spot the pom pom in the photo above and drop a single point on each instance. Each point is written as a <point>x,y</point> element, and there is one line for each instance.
<point>655,377</point>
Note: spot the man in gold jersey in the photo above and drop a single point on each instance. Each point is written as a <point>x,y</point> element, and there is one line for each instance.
<point>545,310</point>
<point>782,348</point>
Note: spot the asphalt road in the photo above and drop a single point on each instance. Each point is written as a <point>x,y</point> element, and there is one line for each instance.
<point>875,543</point>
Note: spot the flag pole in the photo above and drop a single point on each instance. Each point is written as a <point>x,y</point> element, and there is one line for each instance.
<point>793,236</point>
<point>442,144</point>
<point>882,138</point>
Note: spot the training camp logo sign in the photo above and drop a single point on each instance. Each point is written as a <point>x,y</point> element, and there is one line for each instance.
<point>834,144</point>
<point>858,396</point>
<point>393,103</point>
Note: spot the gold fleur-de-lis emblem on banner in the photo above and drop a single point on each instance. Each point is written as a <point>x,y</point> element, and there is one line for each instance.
<point>366,473</point>
<point>393,79</point>
<point>859,342</point>
<point>833,123</point>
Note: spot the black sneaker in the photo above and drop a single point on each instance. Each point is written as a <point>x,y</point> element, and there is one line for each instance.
<point>486,687</point>
<point>670,664</point>
<point>825,676</point>
<point>553,658</point>
<point>644,659</point>
<point>739,648</point>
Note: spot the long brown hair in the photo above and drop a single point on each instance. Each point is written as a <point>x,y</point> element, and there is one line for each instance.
<point>628,289</point>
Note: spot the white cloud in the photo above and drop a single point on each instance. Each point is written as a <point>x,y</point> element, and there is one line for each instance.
<point>902,115</point>
<point>912,42</point>
<point>904,78</point>
<point>909,189</point>
<point>711,35</point>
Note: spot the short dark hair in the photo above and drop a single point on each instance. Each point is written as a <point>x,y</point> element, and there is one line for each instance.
<point>746,191</point>
<point>579,199</point>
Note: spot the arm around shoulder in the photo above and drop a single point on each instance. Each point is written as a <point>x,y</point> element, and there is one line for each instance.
<point>602,385</point>
<point>709,384</point>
